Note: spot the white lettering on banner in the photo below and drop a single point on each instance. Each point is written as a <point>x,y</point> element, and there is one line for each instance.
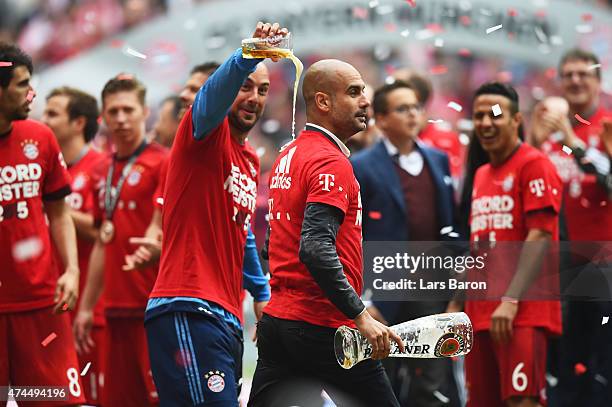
<point>537,187</point>
<point>243,191</point>
<point>327,180</point>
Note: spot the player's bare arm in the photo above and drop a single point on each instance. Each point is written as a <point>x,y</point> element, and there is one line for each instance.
<point>84,225</point>
<point>91,294</point>
<point>529,266</point>
<point>64,237</point>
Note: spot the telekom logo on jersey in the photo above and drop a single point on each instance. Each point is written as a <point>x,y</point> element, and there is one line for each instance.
<point>20,181</point>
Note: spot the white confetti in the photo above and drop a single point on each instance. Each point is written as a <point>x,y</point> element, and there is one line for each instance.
<point>134,53</point>
<point>373,3</point>
<point>446,230</point>
<point>405,33</point>
<point>86,369</point>
<point>424,34</point>
<point>584,29</point>
<point>453,234</point>
<point>495,28</point>
<point>604,320</point>
<point>455,106</point>
<point>496,110</point>
<point>594,66</point>
<point>27,249</point>
<point>566,150</point>
<point>464,139</point>
<point>435,121</point>
<point>160,200</point>
<point>540,34</point>
<point>260,151</point>
<point>439,43</point>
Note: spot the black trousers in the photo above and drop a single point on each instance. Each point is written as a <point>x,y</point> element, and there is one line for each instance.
<point>296,362</point>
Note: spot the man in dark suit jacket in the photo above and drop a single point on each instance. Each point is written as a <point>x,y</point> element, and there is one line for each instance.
<point>407,195</point>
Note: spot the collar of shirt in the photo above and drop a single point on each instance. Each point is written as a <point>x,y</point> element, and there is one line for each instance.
<point>340,144</point>
<point>412,162</point>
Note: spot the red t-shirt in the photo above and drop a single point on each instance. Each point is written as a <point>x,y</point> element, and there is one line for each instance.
<point>504,199</point>
<point>209,201</point>
<point>86,175</point>
<point>449,142</point>
<point>126,292</point>
<point>32,170</point>
<point>311,169</point>
<point>587,207</point>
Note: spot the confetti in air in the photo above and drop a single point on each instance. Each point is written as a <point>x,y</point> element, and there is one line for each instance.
<point>446,230</point>
<point>439,43</point>
<point>495,28</point>
<point>579,369</point>
<point>48,339</point>
<point>412,3</point>
<point>566,150</point>
<point>496,110</point>
<point>464,52</point>
<point>405,33</point>
<point>373,3</point>
<point>604,320</point>
<point>134,53</point>
<point>581,120</point>
<point>455,106</point>
<point>84,372</point>
<point>438,70</point>
<point>5,64</point>
<point>587,17</point>
<point>590,68</point>
<point>436,121</point>
<point>360,13</point>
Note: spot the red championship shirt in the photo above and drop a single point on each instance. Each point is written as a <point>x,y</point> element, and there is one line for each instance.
<point>126,292</point>
<point>209,200</point>
<point>507,201</point>
<point>32,170</point>
<point>311,169</point>
<point>86,174</point>
<point>588,209</point>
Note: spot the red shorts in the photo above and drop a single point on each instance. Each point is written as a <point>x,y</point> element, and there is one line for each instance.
<point>128,381</point>
<point>495,372</point>
<point>24,361</point>
<point>93,381</point>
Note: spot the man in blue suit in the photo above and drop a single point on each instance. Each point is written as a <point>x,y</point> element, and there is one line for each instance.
<point>407,195</point>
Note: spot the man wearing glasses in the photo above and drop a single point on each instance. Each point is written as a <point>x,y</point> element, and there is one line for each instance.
<point>401,181</point>
<point>585,126</point>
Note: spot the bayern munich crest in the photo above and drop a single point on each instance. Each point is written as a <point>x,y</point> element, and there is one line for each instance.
<point>30,149</point>
<point>449,345</point>
<point>134,178</point>
<point>216,381</point>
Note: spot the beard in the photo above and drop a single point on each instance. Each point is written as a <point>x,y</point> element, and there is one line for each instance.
<point>239,124</point>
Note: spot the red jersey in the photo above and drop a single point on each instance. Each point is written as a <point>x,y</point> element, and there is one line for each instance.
<point>450,143</point>
<point>311,169</point>
<point>587,206</point>
<point>32,170</point>
<point>86,175</point>
<point>158,197</point>
<point>127,292</point>
<point>504,199</point>
<point>209,200</point>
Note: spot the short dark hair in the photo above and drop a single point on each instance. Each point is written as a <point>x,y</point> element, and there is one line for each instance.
<point>577,54</point>
<point>125,83</point>
<point>207,68</point>
<point>379,102</point>
<point>14,55</point>
<point>177,106</point>
<point>502,89</point>
<point>80,104</point>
